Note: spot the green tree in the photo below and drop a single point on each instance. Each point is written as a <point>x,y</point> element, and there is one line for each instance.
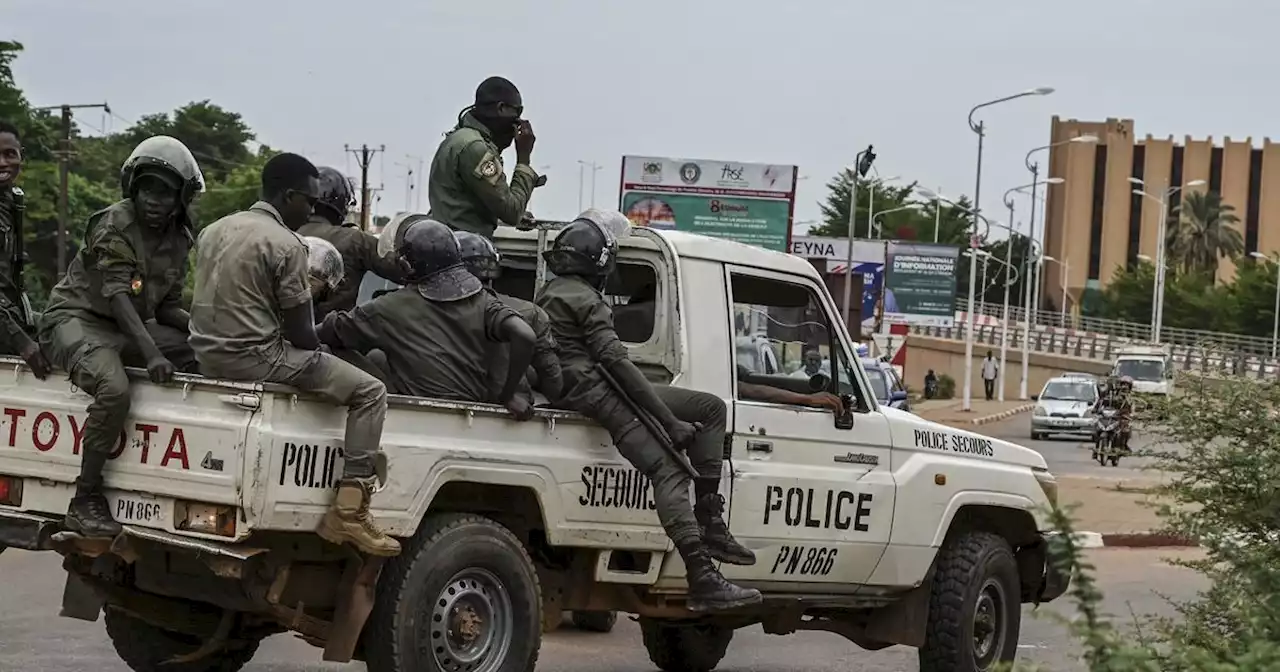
<point>1205,229</point>
<point>1128,296</point>
<point>1250,298</point>
<point>218,138</point>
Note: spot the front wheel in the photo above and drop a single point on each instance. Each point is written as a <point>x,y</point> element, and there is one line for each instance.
<point>676,647</point>
<point>974,609</point>
<point>147,648</point>
<point>463,596</point>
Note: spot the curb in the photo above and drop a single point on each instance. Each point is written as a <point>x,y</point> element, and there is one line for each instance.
<point>1002,415</point>
<point>1135,540</point>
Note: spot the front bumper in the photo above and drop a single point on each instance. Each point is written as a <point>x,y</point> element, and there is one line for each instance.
<point>1052,425</point>
<point>1042,581</point>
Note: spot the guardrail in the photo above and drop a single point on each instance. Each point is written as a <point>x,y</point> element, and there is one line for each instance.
<point>1204,357</point>
<point>1134,331</point>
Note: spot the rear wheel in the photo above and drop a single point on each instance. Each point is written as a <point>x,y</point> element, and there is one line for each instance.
<point>463,596</point>
<point>147,648</point>
<point>676,647</point>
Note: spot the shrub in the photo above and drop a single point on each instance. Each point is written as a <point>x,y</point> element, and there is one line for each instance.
<point>946,387</point>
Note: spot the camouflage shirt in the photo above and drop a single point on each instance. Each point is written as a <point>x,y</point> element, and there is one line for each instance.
<point>121,255</point>
<point>467,187</point>
<point>359,250</point>
<point>13,317</point>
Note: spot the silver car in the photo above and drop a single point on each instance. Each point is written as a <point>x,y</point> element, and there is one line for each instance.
<point>1065,406</point>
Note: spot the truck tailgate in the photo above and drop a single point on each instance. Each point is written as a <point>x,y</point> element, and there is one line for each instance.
<point>182,441</point>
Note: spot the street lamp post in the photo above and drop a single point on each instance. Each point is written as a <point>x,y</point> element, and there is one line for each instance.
<point>1157,290</point>
<point>1275,312</point>
<point>980,129</point>
<point>1066,270</point>
<point>1008,259</point>
<point>871,201</point>
<point>861,164</point>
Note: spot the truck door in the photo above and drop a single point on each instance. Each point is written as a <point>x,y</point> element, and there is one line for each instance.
<point>815,502</point>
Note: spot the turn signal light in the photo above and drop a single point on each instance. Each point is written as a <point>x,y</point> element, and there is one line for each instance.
<point>10,491</point>
<point>205,518</point>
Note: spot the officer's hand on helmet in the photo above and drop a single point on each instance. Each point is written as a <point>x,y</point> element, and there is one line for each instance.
<point>682,433</point>
<point>524,139</point>
<point>519,407</point>
<point>160,370</point>
<point>34,358</point>
<point>827,401</point>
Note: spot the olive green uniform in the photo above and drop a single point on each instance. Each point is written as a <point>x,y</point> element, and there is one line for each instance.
<point>582,325</point>
<point>359,250</point>
<point>250,268</point>
<point>546,376</point>
<point>14,321</point>
<point>78,330</point>
<point>434,349</point>
<point>467,186</point>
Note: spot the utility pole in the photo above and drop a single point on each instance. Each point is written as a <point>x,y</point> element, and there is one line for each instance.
<point>64,154</point>
<point>595,168</point>
<point>412,186</point>
<point>365,156</point>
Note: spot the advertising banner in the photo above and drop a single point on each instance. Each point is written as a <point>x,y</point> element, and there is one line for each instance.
<point>749,203</point>
<point>920,283</point>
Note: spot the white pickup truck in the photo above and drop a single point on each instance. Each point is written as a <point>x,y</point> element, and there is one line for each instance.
<point>877,525</point>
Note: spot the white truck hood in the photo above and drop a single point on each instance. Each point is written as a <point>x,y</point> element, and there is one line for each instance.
<point>955,441</point>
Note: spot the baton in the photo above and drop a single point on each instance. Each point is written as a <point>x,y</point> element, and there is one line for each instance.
<point>650,423</point>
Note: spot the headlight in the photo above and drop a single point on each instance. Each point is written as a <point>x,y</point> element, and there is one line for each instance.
<point>1039,411</point>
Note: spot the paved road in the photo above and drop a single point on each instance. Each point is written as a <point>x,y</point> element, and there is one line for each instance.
<point>34,639</point>
<point>1070,455</point>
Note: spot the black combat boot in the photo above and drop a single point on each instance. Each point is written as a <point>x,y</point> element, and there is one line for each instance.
<point>715,533</point>
<point>708,589</point>
<point>90,515</point>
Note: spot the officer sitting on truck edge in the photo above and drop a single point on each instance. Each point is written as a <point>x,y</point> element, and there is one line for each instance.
<point>16,329</point>
<point>251,320</point>
<point>120,304</point>
<point>582,257</point>
<point>483,261</point>
<point>467,186</point>
<point>359,249</point>
<point>435,331</point>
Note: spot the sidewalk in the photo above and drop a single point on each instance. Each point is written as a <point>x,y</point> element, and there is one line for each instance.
<point>949,411</point>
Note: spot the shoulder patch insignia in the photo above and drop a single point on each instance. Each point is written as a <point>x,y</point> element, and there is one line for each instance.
<point>489,168</point>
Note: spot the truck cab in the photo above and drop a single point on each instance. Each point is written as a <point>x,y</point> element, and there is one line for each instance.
<point>1150,367</point>
<point>873,524</point>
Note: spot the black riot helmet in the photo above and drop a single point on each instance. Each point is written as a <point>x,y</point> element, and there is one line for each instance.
<point>336,195</point>
<point>479,256</point>
<point>431,251</point>
<point>588,246</point>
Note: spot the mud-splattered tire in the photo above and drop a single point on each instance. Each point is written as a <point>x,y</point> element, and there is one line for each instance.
<point>146,648</point>
<point>685,648</point>
<point>463,596</point>
<point>595,621</point>
<point>974,608</point>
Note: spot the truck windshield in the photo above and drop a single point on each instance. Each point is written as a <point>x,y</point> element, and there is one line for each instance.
<point>879,385</point>
<point>1069,391</point>
<point>1151,370</point>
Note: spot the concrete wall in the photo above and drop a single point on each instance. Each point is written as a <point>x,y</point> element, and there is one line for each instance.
<point>947,356</point>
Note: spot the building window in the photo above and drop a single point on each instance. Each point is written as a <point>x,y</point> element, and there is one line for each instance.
<point>1255,200</point>
<point>1215,170</point>
<point>1175,180</point>
<point>1095,221</point>
<point>1135,209</point>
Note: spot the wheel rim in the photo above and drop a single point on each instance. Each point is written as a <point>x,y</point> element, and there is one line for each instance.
<point>989,624</point>
<point>471,623</point>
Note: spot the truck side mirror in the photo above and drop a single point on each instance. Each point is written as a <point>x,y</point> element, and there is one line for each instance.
<point>1035,397</point>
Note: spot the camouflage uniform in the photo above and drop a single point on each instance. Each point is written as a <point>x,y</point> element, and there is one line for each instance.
<point>467,187</point>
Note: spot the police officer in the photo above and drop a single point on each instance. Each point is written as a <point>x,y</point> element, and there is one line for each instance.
<point>358,248</point>
<point>434,330</point>
<point>483,261</point>
<point>582,258</point>
<point>467,186</point>
<point>16,329</point>
<point>251,320</point>
<point>120,303</point>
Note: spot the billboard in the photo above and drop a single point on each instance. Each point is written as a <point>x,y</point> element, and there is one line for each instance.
<point>920,283</point>
<point>746,202</point>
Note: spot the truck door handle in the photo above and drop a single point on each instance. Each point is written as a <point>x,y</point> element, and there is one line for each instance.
<point>249,402</point>
<point>759,447</point>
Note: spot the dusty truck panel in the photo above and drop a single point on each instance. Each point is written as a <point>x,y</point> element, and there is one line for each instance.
<point>858,519</point>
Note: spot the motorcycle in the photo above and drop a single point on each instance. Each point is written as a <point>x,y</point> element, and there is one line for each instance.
<point>931,388</point>
<point>1105,448</point>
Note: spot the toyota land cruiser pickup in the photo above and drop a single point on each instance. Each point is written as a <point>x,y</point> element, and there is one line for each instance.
<point>873,524</point>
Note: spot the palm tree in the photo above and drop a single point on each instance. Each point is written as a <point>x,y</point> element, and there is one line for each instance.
<point>1205,230</point>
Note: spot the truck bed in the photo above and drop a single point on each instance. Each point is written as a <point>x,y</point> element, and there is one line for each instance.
<point>276,455</point>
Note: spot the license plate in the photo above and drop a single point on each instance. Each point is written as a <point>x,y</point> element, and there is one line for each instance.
<point>137,509</point>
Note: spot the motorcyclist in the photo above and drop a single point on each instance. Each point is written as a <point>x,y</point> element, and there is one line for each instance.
<point>930,384</point>
<point>1116,395</point>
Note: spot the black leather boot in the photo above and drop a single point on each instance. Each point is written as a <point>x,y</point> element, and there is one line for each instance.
<point>90,516</point>
<point>708,589</point>
<point>715,533</point>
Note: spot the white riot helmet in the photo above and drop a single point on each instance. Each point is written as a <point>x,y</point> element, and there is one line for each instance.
<point>168,159</point>
<point>324,263</point>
